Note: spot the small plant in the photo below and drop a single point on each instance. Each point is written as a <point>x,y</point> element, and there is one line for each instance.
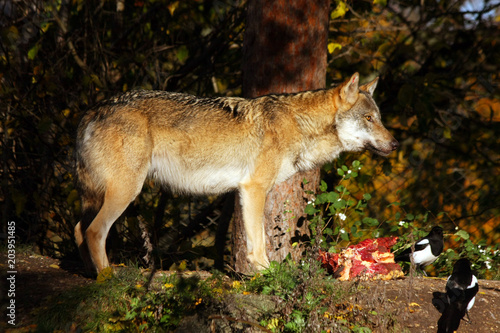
<point>307,291</point>
<point>485,259</point>
<point>122,302</point>
<point>331,212</point>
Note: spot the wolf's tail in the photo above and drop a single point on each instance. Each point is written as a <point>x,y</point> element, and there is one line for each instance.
<point>91,193</point>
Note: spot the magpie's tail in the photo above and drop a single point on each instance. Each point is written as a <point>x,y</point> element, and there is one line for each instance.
<point>402,257</point>
<point>451,317</point>
<point>440,301</point>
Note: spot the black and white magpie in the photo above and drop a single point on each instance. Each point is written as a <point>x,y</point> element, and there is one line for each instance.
<point>426,249</point>
<point>461,290</point>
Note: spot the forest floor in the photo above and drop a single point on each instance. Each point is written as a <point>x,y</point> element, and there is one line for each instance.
<point>39,277</point>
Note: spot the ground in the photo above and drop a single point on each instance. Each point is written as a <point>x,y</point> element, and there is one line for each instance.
<point>39,277</point>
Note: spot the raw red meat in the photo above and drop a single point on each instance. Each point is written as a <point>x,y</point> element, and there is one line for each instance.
<point>371,259</point>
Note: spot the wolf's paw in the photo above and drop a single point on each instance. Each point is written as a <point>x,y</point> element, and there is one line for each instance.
<point>259,262</point>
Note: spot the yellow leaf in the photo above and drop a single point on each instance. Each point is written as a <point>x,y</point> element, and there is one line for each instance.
<point>333,46</point>
<point>339,11</point>
<point>106,274</point>
<point>414,304</point>
<point>66,112</point>
<point>380,2</point>
<point>172,7</point>
<point>182,266</point>
<point>54,266</point>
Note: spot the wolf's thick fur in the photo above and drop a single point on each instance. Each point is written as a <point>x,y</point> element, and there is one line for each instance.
<point>213,145</point>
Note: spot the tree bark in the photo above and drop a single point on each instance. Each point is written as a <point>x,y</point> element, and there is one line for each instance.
<point>285,50</point>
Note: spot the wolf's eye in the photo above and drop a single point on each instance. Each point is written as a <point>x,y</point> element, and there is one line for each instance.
<point>369,118</point>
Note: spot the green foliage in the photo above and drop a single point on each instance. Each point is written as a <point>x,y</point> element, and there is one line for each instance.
<point>485,259</point>
<point>126,303</point>
<point>338,216</point>
<point>304,287</point>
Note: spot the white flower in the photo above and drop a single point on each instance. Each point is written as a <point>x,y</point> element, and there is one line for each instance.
<point>348,171</point>
<point>342,216</point>
<point>401,223</point>
<point>488,264</point>
<point>342,231</point>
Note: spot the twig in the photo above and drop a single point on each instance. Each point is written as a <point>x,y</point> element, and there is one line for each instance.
<point>71,47</point>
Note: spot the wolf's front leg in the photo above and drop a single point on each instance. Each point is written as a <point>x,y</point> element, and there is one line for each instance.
<point>252,199</point>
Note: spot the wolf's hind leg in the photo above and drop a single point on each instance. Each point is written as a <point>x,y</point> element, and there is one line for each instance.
<point>116,199</point>
<point>91,204</point>
<point>83,248</point>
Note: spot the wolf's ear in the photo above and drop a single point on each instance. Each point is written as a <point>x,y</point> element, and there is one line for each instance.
<point>350,89</point>
<point>370,87</point>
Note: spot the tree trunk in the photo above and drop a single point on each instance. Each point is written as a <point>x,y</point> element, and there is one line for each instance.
<point>285,49</point>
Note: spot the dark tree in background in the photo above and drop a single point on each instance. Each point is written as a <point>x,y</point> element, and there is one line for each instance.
<point>285,51</point>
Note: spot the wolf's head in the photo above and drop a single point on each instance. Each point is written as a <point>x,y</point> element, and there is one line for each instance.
<point>358,120</point>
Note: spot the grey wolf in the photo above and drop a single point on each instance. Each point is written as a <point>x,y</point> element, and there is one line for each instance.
<point>426,250</point>
<point>214,145</point>
<point>461,290</point>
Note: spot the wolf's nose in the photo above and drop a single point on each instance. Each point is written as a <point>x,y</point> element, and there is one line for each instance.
<point>394,144</point>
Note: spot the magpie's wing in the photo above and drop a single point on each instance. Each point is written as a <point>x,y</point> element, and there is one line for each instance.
<point>419,246</point>
<point>440,301</point>
<point>471,292</point>
<point>403,256</point>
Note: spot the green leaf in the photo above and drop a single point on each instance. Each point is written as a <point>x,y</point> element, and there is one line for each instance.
<point>367,196</point>
<point>339,204</point>
<point>340,172</point>
<point>332,196</point>
<point>370,221</point>
<point>323,186</point>
<point>33,52</point>
<point>182,53</point>
<point>310,210</point>
<point>321,198</point>
<point>462,234</point>
<point>380,2</point>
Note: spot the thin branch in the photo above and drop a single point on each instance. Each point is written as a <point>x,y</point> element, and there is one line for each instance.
<point>71,47</point>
